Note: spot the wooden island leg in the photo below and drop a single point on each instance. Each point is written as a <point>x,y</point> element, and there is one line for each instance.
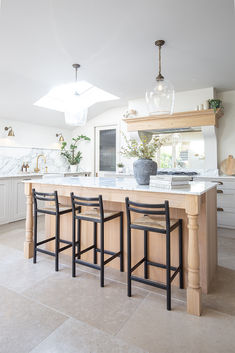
<point>28,244</point>
<point>193,289</point>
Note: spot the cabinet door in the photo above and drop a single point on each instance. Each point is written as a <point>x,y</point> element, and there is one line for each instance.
<point>5,195</point>
<point>18,200</point>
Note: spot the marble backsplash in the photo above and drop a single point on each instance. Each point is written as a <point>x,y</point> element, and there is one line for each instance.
<point>12,158</point>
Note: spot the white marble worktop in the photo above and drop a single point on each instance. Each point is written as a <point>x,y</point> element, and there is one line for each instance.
<point>36,175</point>
<point>194,188</point>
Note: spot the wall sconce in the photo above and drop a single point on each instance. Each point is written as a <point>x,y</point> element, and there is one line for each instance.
<point>61,138</point>
<point>10,132</point>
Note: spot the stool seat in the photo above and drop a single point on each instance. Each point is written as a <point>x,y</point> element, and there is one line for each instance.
<point>153,221</point>
<point>52,208</point>
<point>95,213</point>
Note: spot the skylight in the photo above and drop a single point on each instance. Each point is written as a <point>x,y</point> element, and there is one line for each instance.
<point>75,96</point>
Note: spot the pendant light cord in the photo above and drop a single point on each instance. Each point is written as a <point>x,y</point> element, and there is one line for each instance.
<point>159,61</point>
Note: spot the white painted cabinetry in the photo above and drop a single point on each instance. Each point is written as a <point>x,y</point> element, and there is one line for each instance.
<point>225,200</point>
<point>5,187</point>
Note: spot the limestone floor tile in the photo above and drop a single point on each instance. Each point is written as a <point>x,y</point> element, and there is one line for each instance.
<point>75,336</point>
<point>222,292</point>
<point>20,274</point>
<point>24,323</point>
<point>226,255</point>
<point>155,329</point>
<point>9,255</point>
<point>82,297</point>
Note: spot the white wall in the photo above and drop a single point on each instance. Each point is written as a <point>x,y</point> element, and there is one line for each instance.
<point>226,130</point>
<point>31,135</point>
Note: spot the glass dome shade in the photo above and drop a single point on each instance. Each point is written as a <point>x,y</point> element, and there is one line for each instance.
<point>161,99</point>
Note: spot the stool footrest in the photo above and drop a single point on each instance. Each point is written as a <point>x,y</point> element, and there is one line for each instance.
<point>45,241</point>
<point>112,258</point>
<point>88,264</point>
<point>65,241</point>
<point>65,247</point>
<point>85,250</point>
<point>156,264</point>
<point>107,252</point>
<point>138,264</point>
<point>45,252</point>
<point>175,273</point>
<point>149,282</point>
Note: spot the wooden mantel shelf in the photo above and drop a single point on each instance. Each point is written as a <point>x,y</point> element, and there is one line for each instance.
<point>175,121</point>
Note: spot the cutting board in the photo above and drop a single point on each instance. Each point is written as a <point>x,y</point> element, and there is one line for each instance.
<point>228,165</point>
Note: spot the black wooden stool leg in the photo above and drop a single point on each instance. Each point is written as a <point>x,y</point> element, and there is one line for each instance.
<point>95,243</point>
<point>102,254</point>
<point>121,243</point>
<point>73,247</point>
<point>146,254</point>
<point>57,242</point>
<point>79,237</point>
<point>35,236</point>
<point>129,262</point>
<point>168,270</point>
<point>181,254</point>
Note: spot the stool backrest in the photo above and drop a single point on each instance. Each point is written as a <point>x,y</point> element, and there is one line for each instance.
<point>95,202</point>
<point>148,209</point>
<point>47,197</point>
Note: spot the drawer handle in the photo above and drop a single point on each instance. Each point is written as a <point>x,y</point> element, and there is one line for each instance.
<point>220,192</point>
<point>218,182</point>
<point>220,209</point>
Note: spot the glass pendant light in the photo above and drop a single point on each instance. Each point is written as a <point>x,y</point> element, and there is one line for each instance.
<point>75,112</point>
<point>161,99</point>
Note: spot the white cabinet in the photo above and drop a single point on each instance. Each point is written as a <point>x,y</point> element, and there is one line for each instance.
<point>5,190</point>
<point>225,200</point>
<point>18,209</point>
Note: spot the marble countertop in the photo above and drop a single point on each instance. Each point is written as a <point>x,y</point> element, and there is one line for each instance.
<point>194,188</point>
<point>30,175</point>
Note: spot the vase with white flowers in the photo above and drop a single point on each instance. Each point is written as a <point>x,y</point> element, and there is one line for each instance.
<point>145,151</point>
<point>72,155</point>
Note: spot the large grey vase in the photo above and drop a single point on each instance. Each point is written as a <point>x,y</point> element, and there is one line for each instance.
<point>143,168</point>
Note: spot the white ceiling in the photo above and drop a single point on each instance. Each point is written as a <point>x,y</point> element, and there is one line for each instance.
<point>114,43</point>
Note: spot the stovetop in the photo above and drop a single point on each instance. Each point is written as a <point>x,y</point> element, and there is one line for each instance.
<point>176,173</point>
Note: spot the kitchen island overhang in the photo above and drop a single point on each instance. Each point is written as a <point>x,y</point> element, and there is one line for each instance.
<point>196,205</point>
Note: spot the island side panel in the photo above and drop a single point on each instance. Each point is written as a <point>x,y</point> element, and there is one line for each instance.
<point>28,244</point>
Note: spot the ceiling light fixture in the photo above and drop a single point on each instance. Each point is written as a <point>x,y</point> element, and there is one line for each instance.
<point>74,99</point>
<point>10,132</point>
<point>161,99</point>
<point>61,138</point>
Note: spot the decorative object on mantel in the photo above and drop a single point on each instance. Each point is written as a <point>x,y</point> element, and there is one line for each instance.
<point>174,121</point>
<point>161,99</point>
<point>72,155</point>
<point>145,150</point>
<point>228,166</point>
<point>61,138</point>
<point>120,167</point>
<point>10,132</point>
<point>129,113</point>
<point>215,104</point>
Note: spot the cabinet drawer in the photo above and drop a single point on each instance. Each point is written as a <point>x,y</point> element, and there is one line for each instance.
<point>226,218</point>
<point>226,198</point>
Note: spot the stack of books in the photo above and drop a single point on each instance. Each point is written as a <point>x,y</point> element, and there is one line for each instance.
<point>170,181</point>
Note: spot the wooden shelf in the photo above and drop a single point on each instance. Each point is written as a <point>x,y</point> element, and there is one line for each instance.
<point>175,121</point>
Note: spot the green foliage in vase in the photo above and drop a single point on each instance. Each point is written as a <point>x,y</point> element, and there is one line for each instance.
<point>142,150</point>
<point>72,155</point>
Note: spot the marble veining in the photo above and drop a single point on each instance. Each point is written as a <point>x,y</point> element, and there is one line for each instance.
<point>194,188</point>
<point>12,158</point>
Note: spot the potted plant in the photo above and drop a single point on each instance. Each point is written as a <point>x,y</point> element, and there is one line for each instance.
<point>120,167</point>
<point>72,155</point>
<point>145,151</point>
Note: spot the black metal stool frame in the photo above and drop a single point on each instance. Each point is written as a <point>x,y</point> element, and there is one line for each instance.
<point>77,202</point>
<point>163,210</point>
<point>49,197</point>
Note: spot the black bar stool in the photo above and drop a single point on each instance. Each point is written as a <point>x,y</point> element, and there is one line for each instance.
<point>56,210</point>
<point>95,215</point>
<point>156,218</point>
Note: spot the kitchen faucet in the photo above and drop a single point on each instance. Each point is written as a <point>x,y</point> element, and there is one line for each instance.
<point>37,170</point>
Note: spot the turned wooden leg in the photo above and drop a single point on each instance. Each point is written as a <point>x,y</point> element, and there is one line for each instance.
<point>28,244</point>
<point>194,289</point>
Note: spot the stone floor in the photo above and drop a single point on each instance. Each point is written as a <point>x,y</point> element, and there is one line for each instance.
<point>46,312</point>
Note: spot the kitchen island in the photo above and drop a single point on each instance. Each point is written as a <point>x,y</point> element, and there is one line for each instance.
<point>195,205</point>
